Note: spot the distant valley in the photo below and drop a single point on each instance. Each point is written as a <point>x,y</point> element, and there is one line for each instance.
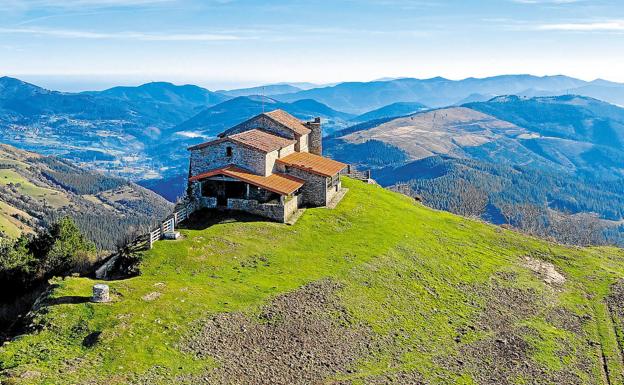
<point>36,191</point>
<point>420,132</point>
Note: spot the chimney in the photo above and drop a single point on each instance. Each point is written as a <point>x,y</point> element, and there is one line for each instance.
<point>315,139</point>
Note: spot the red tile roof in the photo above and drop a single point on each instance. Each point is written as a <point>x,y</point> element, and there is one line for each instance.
<point>277,183</point>
<point>313,163</point>
<point>289,121</point>
<point>256,139</point>
<point>262,140</point>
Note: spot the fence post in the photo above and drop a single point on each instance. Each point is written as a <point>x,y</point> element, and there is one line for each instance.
<point>176,218</point>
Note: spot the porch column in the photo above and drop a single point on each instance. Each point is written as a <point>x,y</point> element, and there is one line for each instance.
<point>246,190</point>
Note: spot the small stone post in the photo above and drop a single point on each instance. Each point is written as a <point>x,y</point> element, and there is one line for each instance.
<point>100,293</point>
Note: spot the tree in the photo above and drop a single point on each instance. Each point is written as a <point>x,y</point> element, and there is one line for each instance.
<point>467,200</point>
<point>64,248</point>
<point>17,264</point>
<point>580,229</point>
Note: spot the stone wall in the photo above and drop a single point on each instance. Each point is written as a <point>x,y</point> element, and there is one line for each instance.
<point>215,156</point>
<point>195,190</point>
<point>291,204</point>
<point>315,140</point>
<point>277,212</point>
<point>208,202</point>
<point>332,190</point>
<point>313,191</point>
<point>302,143</point>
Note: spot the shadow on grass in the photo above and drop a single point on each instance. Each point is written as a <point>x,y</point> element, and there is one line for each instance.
<point>70,299</point>
<point>205,218</point>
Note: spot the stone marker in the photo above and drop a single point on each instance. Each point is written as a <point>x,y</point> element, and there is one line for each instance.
<point>172,235</point>
<point>100,293</point>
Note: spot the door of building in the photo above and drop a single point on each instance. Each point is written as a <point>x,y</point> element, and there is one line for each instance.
<point>221,194</point>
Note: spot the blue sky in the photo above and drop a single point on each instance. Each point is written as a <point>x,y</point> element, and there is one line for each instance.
<point>91,44</point>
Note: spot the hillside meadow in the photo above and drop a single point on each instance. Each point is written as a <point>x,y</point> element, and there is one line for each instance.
<point>379,290</point>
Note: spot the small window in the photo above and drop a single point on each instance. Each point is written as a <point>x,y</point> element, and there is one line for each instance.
<point>228,151</point>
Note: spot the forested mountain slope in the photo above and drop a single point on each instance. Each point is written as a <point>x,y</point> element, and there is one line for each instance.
<point>566,151</point>
<point>37,190</point>
<point>379,290</point>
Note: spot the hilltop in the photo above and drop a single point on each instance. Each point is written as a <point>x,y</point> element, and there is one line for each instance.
<point>379,290</point>
<point>35,190</point>
<point>391,110</point>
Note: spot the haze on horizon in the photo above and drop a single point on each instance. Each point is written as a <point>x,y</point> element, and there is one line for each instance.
<point>93,44</point>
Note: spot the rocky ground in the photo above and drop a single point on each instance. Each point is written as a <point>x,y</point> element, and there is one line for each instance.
<point>505,354</point>
<point>300,338</point>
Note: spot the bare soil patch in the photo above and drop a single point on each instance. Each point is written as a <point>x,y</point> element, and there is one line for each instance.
<point>504,355</point>
<point>545,270</point>
<point>615,304</point>
<point>304,337</point>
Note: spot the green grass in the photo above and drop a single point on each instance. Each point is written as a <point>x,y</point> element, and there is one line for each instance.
<point>54,198</point>
<point>10,225</point>
<point>12,163</point>
<point>410,273</point>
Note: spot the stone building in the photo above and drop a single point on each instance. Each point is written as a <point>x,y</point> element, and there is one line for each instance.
<point>270,165</point>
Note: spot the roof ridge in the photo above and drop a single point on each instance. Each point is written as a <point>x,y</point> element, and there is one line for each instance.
<point>287,120</point>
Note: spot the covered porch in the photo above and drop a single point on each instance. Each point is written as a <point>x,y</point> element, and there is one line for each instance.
<point>222,188</point>
<point>275,196</point>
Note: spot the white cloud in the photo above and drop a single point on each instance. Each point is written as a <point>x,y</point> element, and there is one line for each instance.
<point>547,1</point>
<point>33,4</point>
<point>129,35</point>
<point>603,26</point>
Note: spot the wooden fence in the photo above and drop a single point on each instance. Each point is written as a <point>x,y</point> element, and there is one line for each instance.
<point>169,225</point>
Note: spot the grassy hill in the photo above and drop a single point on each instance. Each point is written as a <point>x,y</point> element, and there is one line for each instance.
<point>37,190</point>
<point>379,290</point>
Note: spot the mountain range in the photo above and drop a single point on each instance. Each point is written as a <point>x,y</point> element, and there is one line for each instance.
<point>143,132</point>
<point>215,119</point>
<point>361,97</point>
<point>135,132</point>
<point>564,152</point>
